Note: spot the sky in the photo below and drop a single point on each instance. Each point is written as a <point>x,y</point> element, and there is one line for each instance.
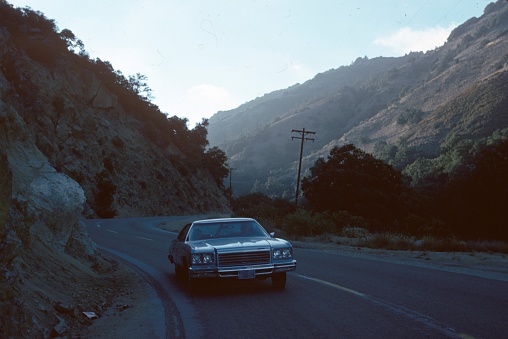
<point>203,56</point>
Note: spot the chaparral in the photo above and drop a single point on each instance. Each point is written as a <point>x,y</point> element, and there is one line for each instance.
<point>238,248</point>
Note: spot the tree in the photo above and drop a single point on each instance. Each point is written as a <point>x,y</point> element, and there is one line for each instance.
<point>475,204</point>
<point>216,164</point>
<point>138,84</point>
<point>199,133</point>
<point>104,196</point>
<point>72,42</point>
<point>352,180</point>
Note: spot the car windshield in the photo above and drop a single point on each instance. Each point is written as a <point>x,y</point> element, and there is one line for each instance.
<point>228,229</point>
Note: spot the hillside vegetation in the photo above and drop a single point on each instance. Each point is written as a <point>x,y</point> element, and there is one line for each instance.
<point>426,114</point>
<point>80,139</point>
<point>98,126</point>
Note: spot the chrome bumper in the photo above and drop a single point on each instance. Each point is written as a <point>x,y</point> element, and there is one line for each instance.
<point>232,271</point>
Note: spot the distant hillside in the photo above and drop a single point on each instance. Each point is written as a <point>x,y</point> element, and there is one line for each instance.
<point>407,111</point>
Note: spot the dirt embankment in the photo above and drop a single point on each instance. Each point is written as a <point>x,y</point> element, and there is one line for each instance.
<point>59,296</point>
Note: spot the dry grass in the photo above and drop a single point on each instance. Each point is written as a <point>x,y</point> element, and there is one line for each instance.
<point>360,237</point>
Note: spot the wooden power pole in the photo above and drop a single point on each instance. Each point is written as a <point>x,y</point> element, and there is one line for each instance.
<point>230,183</point>
<point>302,137</point>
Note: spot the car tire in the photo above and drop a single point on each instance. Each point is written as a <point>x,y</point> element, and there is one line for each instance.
<point>192,284</point>
<point>179,272</point>
<point>279,280</point>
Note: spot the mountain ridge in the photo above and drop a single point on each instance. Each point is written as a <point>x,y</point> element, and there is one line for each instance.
<point>386,106</point>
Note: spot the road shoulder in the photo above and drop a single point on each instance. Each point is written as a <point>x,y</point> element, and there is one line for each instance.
<point>485,265</point>
<point>136,312</point>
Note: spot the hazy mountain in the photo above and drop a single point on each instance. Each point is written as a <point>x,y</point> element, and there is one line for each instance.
<point>401,109</point>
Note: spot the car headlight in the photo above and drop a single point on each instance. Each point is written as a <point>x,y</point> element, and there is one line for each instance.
<point>286,253</point>
<point>207,258</point>
<point>282,253</point>
<point>202,258</point>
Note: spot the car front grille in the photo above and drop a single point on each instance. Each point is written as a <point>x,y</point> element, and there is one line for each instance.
<point>244,258</point>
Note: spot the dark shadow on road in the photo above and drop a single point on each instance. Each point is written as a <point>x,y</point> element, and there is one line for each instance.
<point>209,288</point>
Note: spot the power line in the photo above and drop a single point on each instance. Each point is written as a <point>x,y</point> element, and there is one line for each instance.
<point>303,138</point>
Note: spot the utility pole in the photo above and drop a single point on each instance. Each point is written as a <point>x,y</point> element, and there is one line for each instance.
<point>302,137</point>
<point>230,187</point>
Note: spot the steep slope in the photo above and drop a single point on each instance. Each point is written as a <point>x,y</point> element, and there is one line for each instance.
<point>419,103</point>
<point>74,140</point>
<point>470,68</point>
<point>119,148</point>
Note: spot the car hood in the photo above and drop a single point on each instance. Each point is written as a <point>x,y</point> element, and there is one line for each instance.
<point>226,244</point>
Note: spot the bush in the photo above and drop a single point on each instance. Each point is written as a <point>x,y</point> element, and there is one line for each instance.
<point>105,195</point>
<point>343,219</point>
<point>298,223</point>
<point>303,223</point>
<point>269,212</point>
<point>419,226</point>
<point>354,232</point>
<point>388,241</point>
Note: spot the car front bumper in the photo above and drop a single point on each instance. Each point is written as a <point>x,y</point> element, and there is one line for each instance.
<point>265,270</point>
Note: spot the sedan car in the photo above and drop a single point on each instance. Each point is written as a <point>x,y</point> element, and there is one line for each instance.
<point>238,248</point>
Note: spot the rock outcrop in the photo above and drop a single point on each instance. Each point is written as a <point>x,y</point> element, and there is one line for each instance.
<point>72,146</point>
<point>52,201</point>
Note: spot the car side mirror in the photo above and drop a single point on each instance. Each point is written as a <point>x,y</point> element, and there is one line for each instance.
<point>272,234</point>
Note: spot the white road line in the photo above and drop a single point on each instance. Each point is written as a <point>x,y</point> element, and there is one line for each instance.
<point>394,308</point>
<point>111,231</point>
<point>144,238</point>
<point>345,289</point>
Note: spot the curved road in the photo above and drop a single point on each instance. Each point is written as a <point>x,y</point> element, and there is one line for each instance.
<point>329,296</point>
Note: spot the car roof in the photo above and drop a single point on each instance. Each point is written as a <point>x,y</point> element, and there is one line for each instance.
<point>222,220</point>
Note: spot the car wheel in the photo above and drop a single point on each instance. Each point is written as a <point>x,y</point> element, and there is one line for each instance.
<point>279,280</point>
<point>179,272</point>
<point>192,284</point>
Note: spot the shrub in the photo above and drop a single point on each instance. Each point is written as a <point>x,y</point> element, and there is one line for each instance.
<point>105,195</point>
<point>298,223</point>
<point>303,223</point>
<point>388,241</point>
<point>354,232</point>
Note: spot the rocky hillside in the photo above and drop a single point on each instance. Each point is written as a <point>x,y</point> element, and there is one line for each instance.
<point>77,139</point>
<point>89,128</point>
<point>407,111</point>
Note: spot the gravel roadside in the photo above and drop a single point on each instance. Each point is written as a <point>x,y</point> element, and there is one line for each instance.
<point>136,312</point>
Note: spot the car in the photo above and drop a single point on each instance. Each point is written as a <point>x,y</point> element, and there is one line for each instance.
<point>236,248</point>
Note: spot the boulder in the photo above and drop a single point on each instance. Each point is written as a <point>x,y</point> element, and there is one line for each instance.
<point>104,99</point>
<point>52,201</point>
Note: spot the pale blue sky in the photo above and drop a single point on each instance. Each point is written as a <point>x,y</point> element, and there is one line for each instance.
<point>203,56</point>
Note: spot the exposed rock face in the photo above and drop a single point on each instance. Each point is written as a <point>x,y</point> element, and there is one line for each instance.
<point>103,99</point>
<point>58,201</point>
<point>51,200</point>
<point>38,206</point>
<point>68,145</point>
<point>5,187</point>
<point>107,145</point>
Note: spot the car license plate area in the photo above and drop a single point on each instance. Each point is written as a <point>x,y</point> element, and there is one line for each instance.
<point>248,274</point>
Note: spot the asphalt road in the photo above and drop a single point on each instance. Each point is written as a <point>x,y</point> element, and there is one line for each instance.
<point>329,296</point>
